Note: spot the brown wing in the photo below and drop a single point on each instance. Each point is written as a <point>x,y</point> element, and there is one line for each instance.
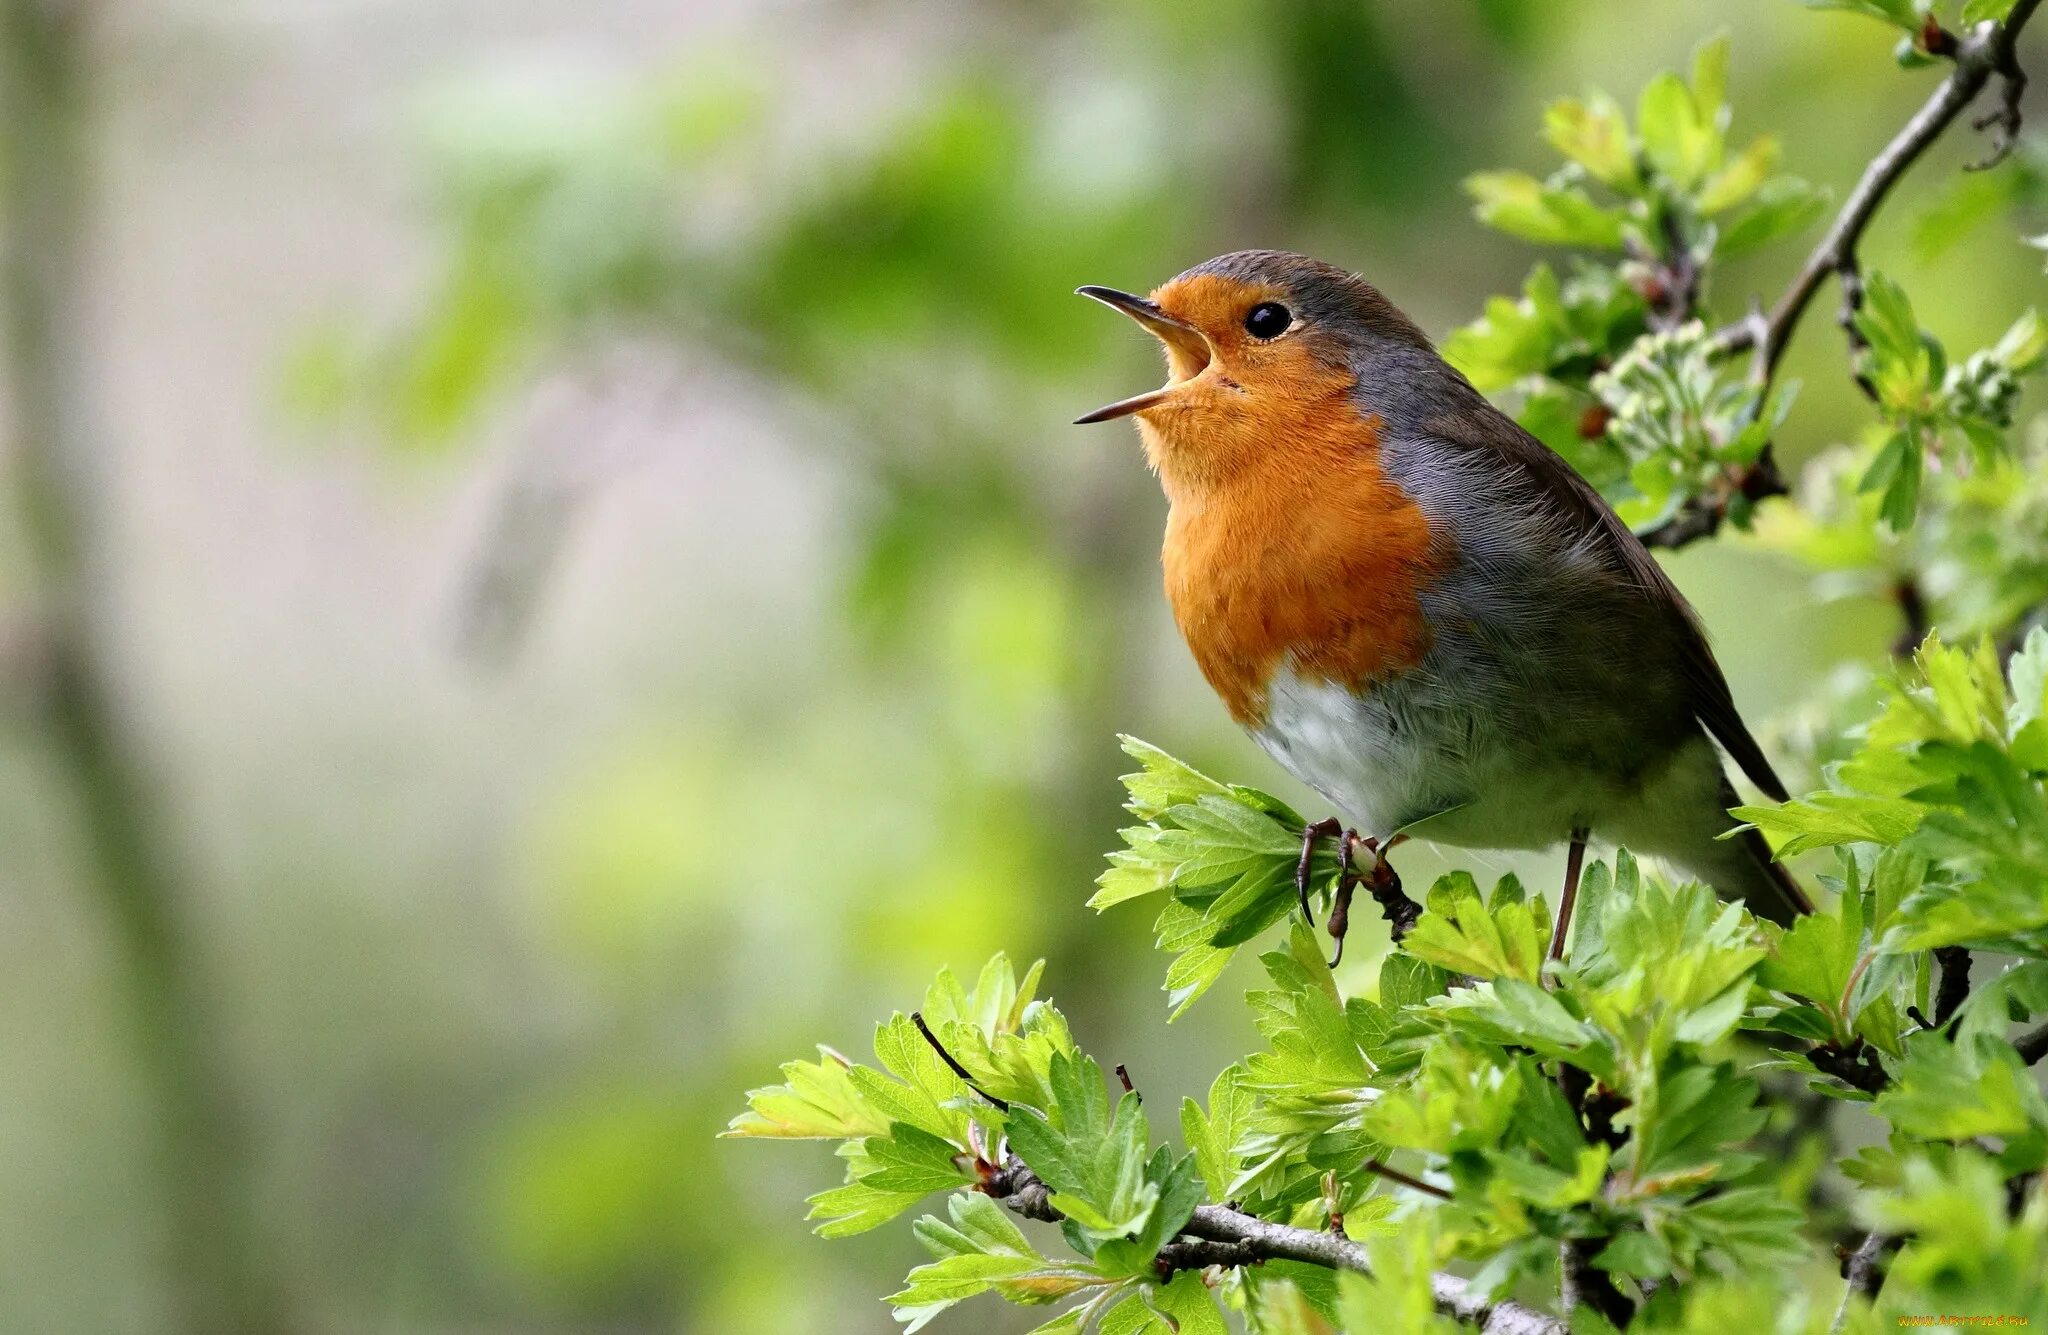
<point>1553,482</point>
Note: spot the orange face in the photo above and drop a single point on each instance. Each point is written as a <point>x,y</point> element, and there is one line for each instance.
<point>1287,545</point>
<point>1246,374</point>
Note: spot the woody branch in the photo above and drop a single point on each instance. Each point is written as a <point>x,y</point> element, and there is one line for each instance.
<point>1219,1235</point>
<point>1987,52</point>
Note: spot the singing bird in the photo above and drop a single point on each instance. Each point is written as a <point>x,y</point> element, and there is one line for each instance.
<point>1415,606</point>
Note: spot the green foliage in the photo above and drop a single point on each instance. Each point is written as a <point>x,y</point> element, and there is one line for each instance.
<point>1610,367</point>
<point>1225,855</point>
<point>905,1127</point>
<point>1645,1105</point>
<point>1925,403</point>
<point>1612,1102</point>
<point>1951,771</point>
<point>1678,422</point>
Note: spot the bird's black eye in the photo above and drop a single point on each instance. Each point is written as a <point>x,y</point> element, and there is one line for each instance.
<point>1268,319</point>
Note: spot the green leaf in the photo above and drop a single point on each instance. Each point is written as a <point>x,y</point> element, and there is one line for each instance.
<point>1816,959</point>
<point>1228,854</point>
<point>1825,820</point>
<point>1212,1137</point>
<point>1560,215</point>
<point>816,1101</point>
<point>1594,134</point>
<point>1676,140</point>
<point>2022,347</point>
<point>1091,1157</point>
<point>1458,933</point>
<point>1741,177</point>
<point>1904,14</point>
<point>980,1251</point>
<point>1781,207</point>
<point>1162,782</point>
<point>1961,1090</point>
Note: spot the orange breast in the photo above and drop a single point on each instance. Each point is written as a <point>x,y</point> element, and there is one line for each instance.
<point>1304,554</point>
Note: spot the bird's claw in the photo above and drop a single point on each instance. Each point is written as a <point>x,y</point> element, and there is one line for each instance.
<point>1321,829</point>
<point>1380,880</point>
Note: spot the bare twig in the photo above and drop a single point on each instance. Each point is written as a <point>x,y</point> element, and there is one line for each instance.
<point>1201,1253</point>
<point>1702,516</point>
<point>2033,1045</point>
<point>2003,120</point>
<point>1379,1168</point>
<point>1856,1065</point>
<point>953,1064</point>
<point>1454,1297</point>
<point>1987,50</point>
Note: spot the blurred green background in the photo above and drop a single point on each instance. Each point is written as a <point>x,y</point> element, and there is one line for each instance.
<point>582,546</point>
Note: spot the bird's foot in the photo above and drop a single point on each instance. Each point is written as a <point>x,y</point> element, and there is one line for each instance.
<point>1321,829</point>
<point>1380,880</point>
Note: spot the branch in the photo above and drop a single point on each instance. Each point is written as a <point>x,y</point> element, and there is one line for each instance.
<point>1954,988</point>
<point>2033,1045</point>
<point>1986,51</point>
<point>1223,1235</point>
<point>1864,1270</point>
<point>1702,516</point>
<point>1279,1242</point>
<point>1855,1065</point>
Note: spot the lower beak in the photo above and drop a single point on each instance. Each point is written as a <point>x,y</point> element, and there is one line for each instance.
<point>1178,335</point>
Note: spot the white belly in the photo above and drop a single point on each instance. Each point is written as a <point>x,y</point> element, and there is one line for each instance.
<point>1422,756</point>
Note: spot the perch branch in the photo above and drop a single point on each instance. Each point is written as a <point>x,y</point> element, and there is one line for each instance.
<point>1221,1235</point>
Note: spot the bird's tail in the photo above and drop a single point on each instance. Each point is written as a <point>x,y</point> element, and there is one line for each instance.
<point>1744,869</point>
<point>1762,882</point>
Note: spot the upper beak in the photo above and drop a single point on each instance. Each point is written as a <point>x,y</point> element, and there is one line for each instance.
<point>1176,334</point>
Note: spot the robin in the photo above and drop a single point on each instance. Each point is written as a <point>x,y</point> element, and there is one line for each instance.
<point>1415,606</point>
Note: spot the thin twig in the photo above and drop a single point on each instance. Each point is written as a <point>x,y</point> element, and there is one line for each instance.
<point>2032,1045</point>
<point>1579,1284</point>
<point>1986,50</point>
<point>1379,1168</point>
<point>1201,1253</point>
<point>1454,1297</point>
<point>1855,1065</point>
<point>952,1064</point>
<point>2003,120</point>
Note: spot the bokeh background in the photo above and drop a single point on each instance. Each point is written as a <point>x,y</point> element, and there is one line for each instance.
<point>568,580</point>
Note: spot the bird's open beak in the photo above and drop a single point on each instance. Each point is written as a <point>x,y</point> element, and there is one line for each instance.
<point>1178,335</point>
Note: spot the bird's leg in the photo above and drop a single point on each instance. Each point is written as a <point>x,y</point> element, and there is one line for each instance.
<point>1321,829</point>
<point>1574,858</point>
